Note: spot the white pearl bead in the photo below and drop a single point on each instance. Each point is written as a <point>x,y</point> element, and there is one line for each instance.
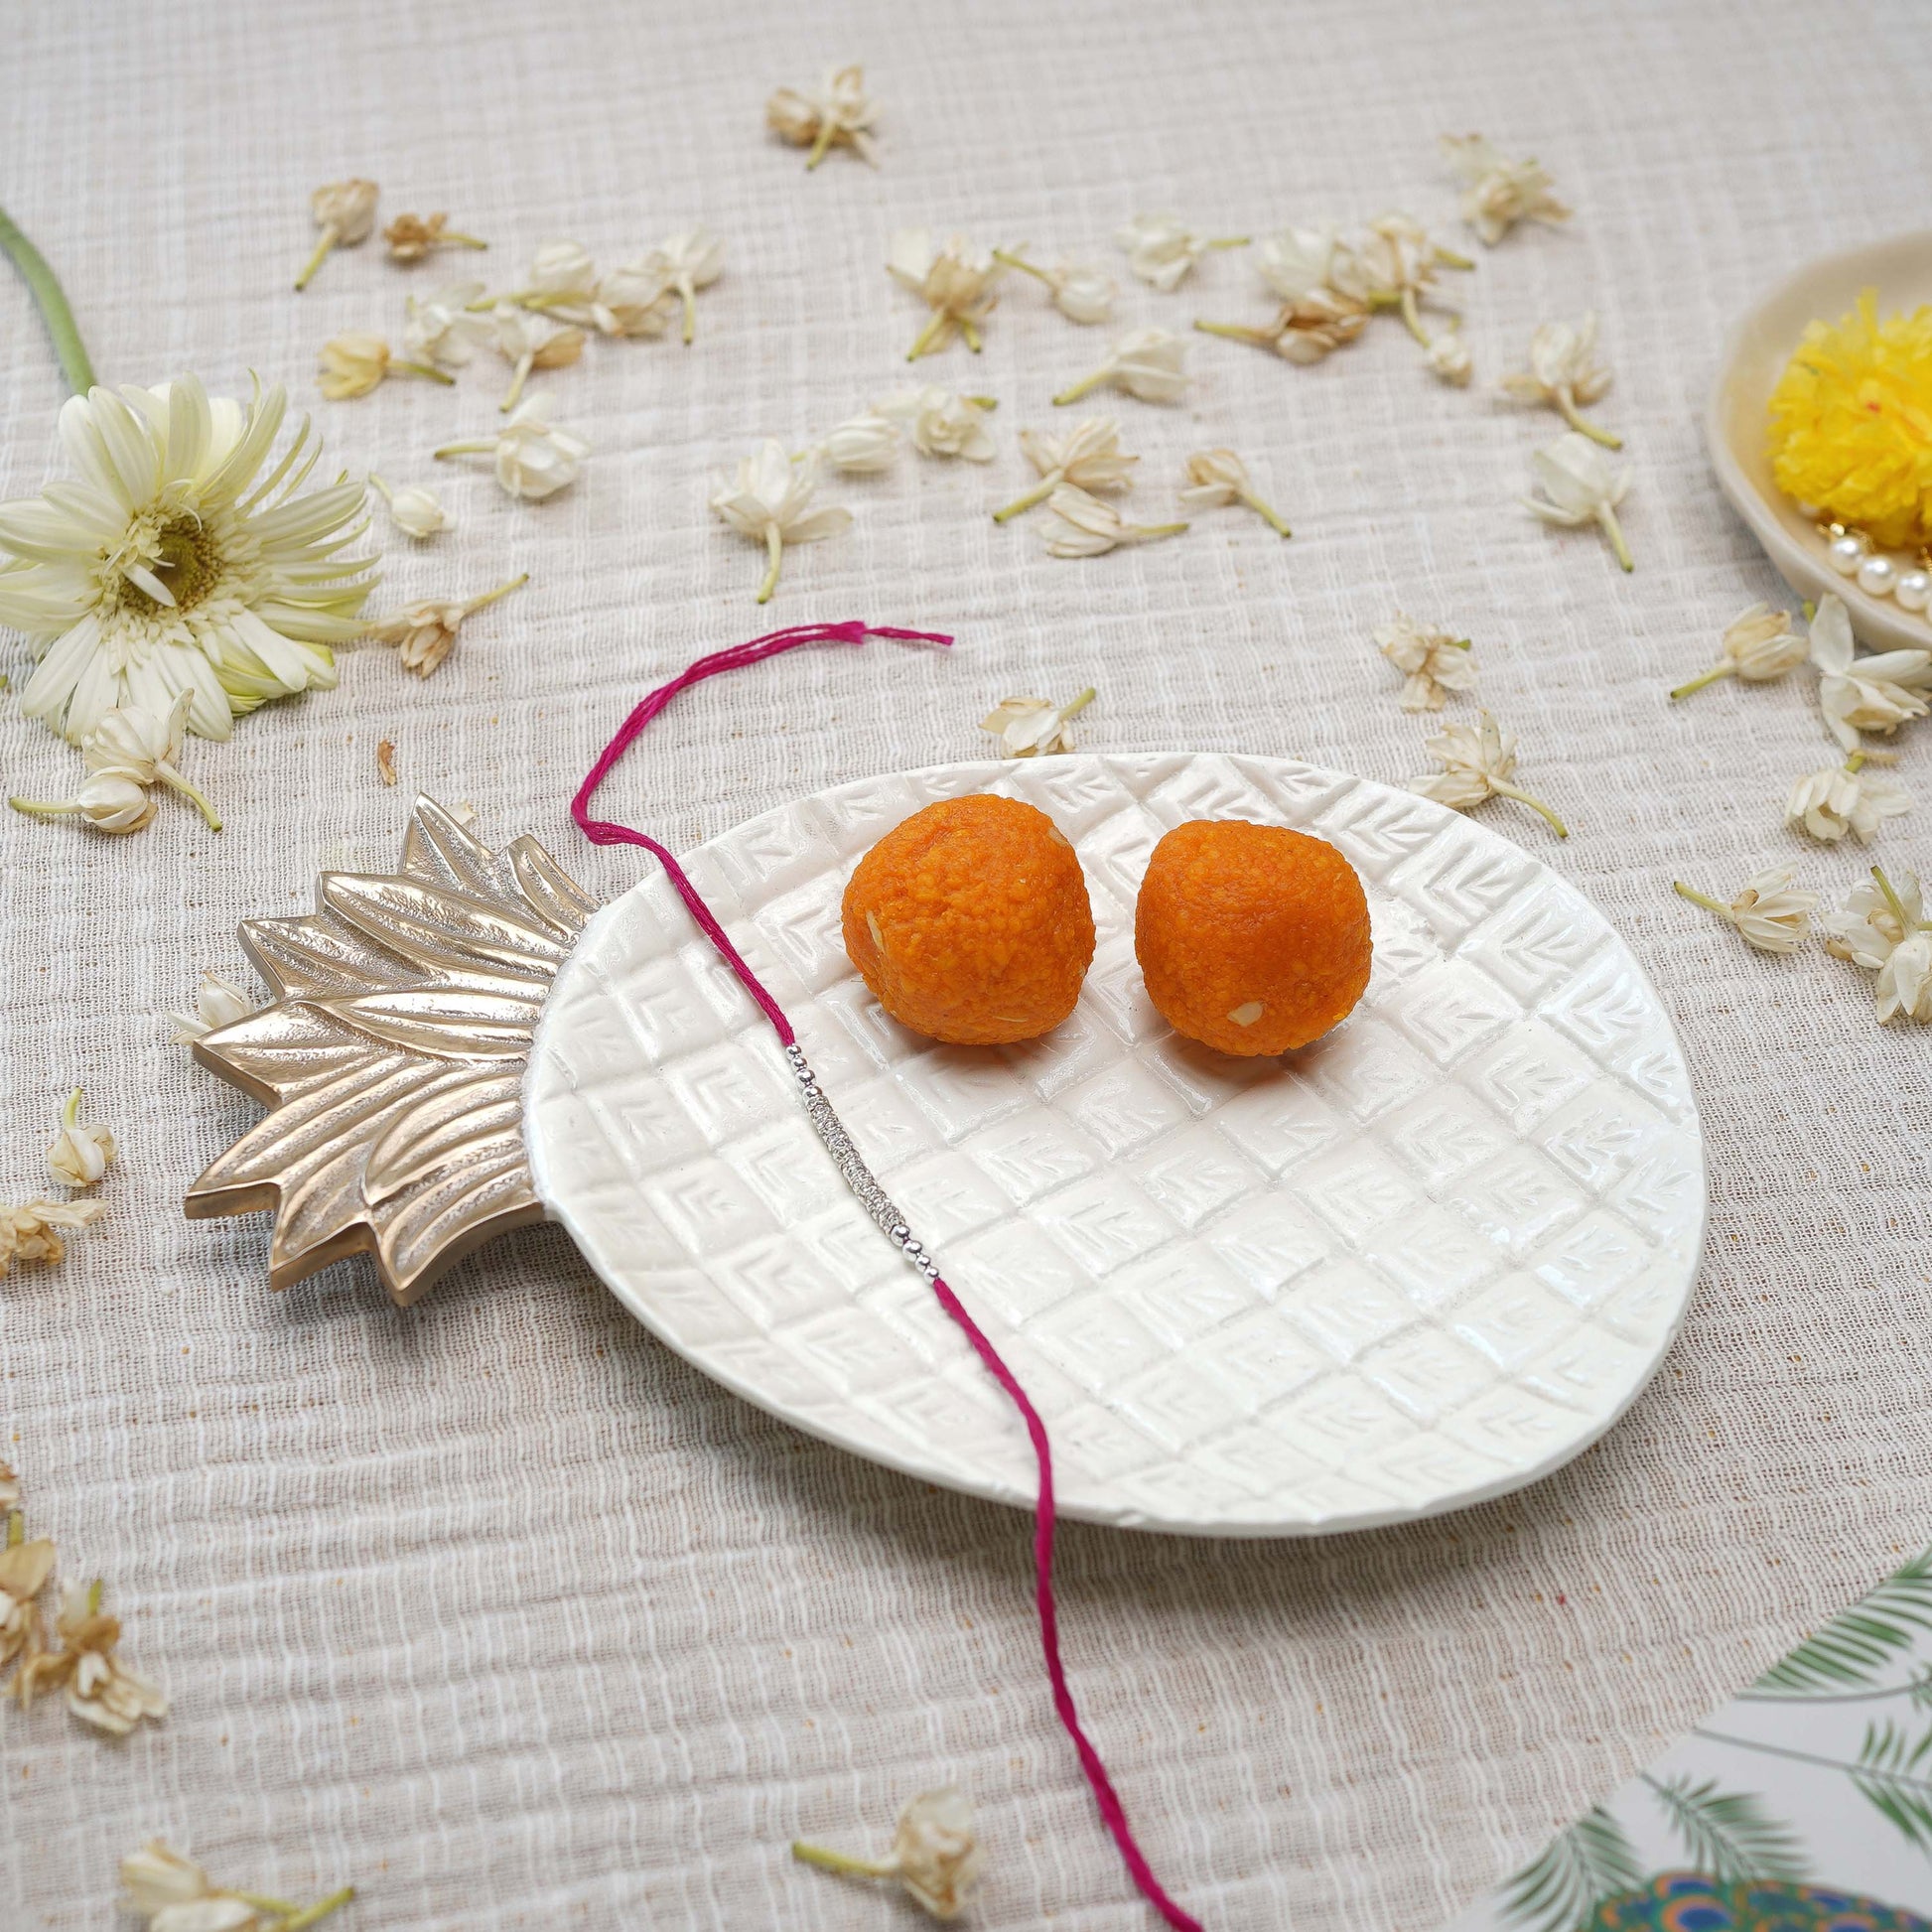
<point>1914,589</point>
<point>1877,575</point>
<point>1847,554</point>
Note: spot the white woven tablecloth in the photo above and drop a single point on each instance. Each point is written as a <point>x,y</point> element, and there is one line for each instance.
<point>494,1607</point>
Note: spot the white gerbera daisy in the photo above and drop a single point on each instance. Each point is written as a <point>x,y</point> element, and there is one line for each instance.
<point>168,568</point>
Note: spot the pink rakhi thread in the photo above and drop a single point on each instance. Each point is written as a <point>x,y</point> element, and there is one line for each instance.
<point>604,832</point>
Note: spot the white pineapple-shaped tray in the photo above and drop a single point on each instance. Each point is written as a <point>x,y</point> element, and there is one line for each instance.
<point>1420,1263</point>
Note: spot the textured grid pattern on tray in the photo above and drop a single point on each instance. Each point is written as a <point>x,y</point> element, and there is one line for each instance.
<point>1416,1263</point>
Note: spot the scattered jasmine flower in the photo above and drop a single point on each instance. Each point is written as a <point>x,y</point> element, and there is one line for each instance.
<point>1088,455</point>
<point>133,743</point>
<point>1147,363</point>
<point>109,801</point>
<point>1760,646</point>
<point>1393,266</point>
<point>769,502</point>
<point>1564,375</point>
<point>170,1893</point>
<point>416,512</point>
<point>864,444</point>
<point>101,1690</point>
<point>1769,913</point>
<point>1840,798</point>
<point>1216,478</point>
<point>1873,694</point>
<point>1882,928</point>
<point>426,633</point>
<point>1302,332</point>
<point>172,566</point>
<point>345,212</point>
<point>839,115</point>
<point>533,459</point>
<point>560,272</point>
<point>955,280</point>
<point>1080,293</point>
<point>634,300</point>
<point>1499,192</point>
<point>1079,525</point>
<point>527,343</point>
<point>412,236</point>
<point>935,1854</point>
<point>33,1233</point>
<point>1162,250</point>
<point>79,1156</point>
<point>24,1567</point>
<point>943,423</point>
<point>443,328</point>
<point>218,1003</point>
<point>686,263</point>
<point>385,759</point>
<point>1579,486</point>
<point>1478,761</point>
<point>1432,662</point>
<point>1300,265</point>
<point>1030,727</point>
<point>1449,358</point>
<point>353,364</point>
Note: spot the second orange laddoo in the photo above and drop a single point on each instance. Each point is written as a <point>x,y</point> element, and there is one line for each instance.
<point>1251,939</point>
<point>970,921</point>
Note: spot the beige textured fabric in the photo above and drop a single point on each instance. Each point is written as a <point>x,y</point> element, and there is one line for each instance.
<point>497,1609</point>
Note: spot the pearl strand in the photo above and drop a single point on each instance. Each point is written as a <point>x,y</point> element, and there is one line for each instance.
<point>1850,553</point>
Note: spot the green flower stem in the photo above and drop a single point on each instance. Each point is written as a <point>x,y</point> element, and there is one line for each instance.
<point>1906,924</point>
<point>1074,706</point>
<point>1412,317</point>
<point>476,604</point>
<point>1449,259</point>
<point>1037,494</point>
<point>1704,900</point>
<point>1022,266</point>
<point>1228,241</point>
<point>524,364</point>
<point>51,301</point>
<point>971,333</point>
<point>42,807</point>
<point>931,336</point>
<point>1612,529</point>
<point>982,402</point>
<point>329,236</point>
<point>168,776</point>
<point>775,544</point>
<point>97,1589</point>
<point>822,145</point>
<point>689,297</point>
<point>1566,408</point>
<point>423,369</point>
<point>16,1529</point>
<point>1148,533</point>
<point>485,448</point>
<point>319,1911</point>
<point>1234,332</point>
<point>1084,387</point>
<point>263,1903</point>
<point>829,1860</point>
<point>1269,514</point>
<point>1717,671</point>
<point>1535,804</point>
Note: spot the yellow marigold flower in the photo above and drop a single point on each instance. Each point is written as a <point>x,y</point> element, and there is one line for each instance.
<point>1851,423</point>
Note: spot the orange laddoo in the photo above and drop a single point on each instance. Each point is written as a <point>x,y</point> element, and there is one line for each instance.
<point>1252,938</point>
<point>970,921</point>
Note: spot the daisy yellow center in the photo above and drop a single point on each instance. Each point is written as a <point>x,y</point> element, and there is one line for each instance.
<point>183,556</point>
